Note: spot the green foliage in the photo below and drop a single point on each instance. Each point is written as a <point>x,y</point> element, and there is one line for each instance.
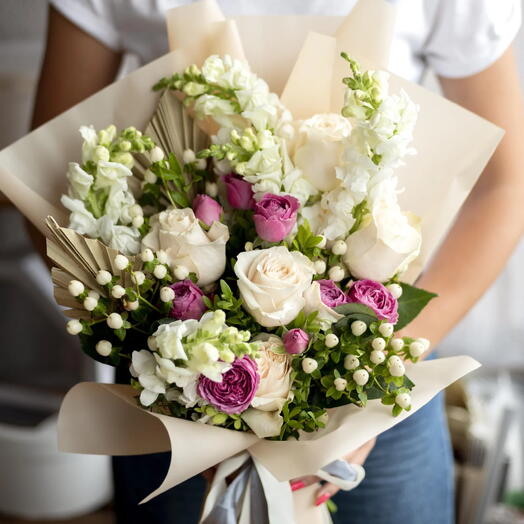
<point>306,242</point>
<point>353,311</point>
<point>412,301</point>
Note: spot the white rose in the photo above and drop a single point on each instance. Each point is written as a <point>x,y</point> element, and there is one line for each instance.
<point>326,315</point>
<point>272,283</point>
<point>122,238</point>
<point>388,240</point>
<point>79,180</point>
<point>320,147</point>
<point>179,234</point>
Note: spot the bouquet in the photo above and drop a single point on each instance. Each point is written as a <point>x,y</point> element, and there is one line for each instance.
<point>246,263</point>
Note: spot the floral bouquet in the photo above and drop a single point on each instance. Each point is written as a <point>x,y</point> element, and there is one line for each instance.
<point>246,265</point>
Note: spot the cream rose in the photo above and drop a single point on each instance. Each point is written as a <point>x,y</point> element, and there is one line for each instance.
<point>272,283</point>
<point>326,315</point>
<point>388,240</point>
<point>179,234</point>
<point>319,149</point>
<point>274,369</point>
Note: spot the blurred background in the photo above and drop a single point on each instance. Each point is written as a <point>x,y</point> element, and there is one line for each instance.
<point>39,362</point>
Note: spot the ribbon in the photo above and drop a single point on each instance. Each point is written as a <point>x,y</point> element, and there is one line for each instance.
<point>255,496</point>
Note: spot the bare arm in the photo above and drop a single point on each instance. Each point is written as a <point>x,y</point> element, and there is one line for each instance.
<point>492,220</point>
<point>75,66</point>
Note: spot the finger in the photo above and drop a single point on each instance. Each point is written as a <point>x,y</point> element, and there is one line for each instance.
<point>302,482</point>
<point>327,491</point>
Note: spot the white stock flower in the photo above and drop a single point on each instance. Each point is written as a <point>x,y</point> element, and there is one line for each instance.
<point>182,378</point>
<point>272,283</point>
<point>320,147</point>
<point>143,366</point>
<point>90,143</point>
<point>169,337</point>
<point>111,174</point>
<point>332,217</point>
<point>388,239</point>
<point>79,181</point>
<point>179,233</point>
<point>81,220</point>
<point>326,315</point>
<point>205,360</point>
<point>122,238</point>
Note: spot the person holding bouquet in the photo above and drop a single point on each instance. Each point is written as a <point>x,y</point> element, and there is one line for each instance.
<point>468,47</point>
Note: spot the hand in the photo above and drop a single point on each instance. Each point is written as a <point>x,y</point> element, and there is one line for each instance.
<point>328,490</point>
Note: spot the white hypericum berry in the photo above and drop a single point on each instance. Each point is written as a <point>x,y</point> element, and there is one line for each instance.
<point>76,288</point>
<point>156,155</point>
<point>322,243</point>
<point>74,327</point>
<point>150,177</point>
<point>121,262</point>
<point>403,400</point>
<point>93,294</point>
<point>358,327</point>
<point>211,189</point>
<point>336,273</point>
<point>201,164</point>
<point>331,340</point>
<point>90,303</point>
<point>351,362</point>
<point>136,211</point>
<point>339,248</point>
<point>188,156</point>
<point>386,329</point>
<point>378,344</point>
<point>162,257</point>
<point>118,291</point>
<point>167,294</point>
<point>416,349</point>
<point>160,271</point>
<point>152,343</point>
<point>138,221</point>
<point>320,267</point>
<point>104,348</point>
<point>147,255</point>
<point>309,365</point>
<point>361,377</point>
<point>396,366</point>
<point>377,357</point>
<point>396,344</point>
<point>340,383</point>
<point>181,272</point>
<point>395,290</point>
<point>103,277</point>
<point>248,246</point>
<point>139,277</point>
<point>425,342</point>
<point>115,321</point>
<point>131,306</point>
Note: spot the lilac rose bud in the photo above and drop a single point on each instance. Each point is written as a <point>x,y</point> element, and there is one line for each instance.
<point>237,389</point>
<point>330,294</point>
<point>188,301</point>
<point>295,341</point>
<point>239,192</point>
<point>275,216</point>
<point>207,209</point>
<point>377,297</point>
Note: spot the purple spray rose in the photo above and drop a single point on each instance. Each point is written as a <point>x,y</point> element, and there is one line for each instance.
<point>237,389</point>
<point>374,295</point>
<point>330,294</point>
<point>275,216</point>
<point>207,209</point>
<point>188,301</point>
<point>295,341</point>
<point>239,192</point>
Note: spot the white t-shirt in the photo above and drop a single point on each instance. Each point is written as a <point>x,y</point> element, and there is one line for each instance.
<point>455,38</point>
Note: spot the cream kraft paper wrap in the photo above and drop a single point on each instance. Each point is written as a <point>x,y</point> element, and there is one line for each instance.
<point>299,57</point>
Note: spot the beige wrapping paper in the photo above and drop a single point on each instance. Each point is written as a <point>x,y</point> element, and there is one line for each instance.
<point>454,146</point>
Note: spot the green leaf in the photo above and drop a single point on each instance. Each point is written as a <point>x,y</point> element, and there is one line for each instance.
<point>352,312</point>
<point>412,301</point>
<point>355,307</point>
